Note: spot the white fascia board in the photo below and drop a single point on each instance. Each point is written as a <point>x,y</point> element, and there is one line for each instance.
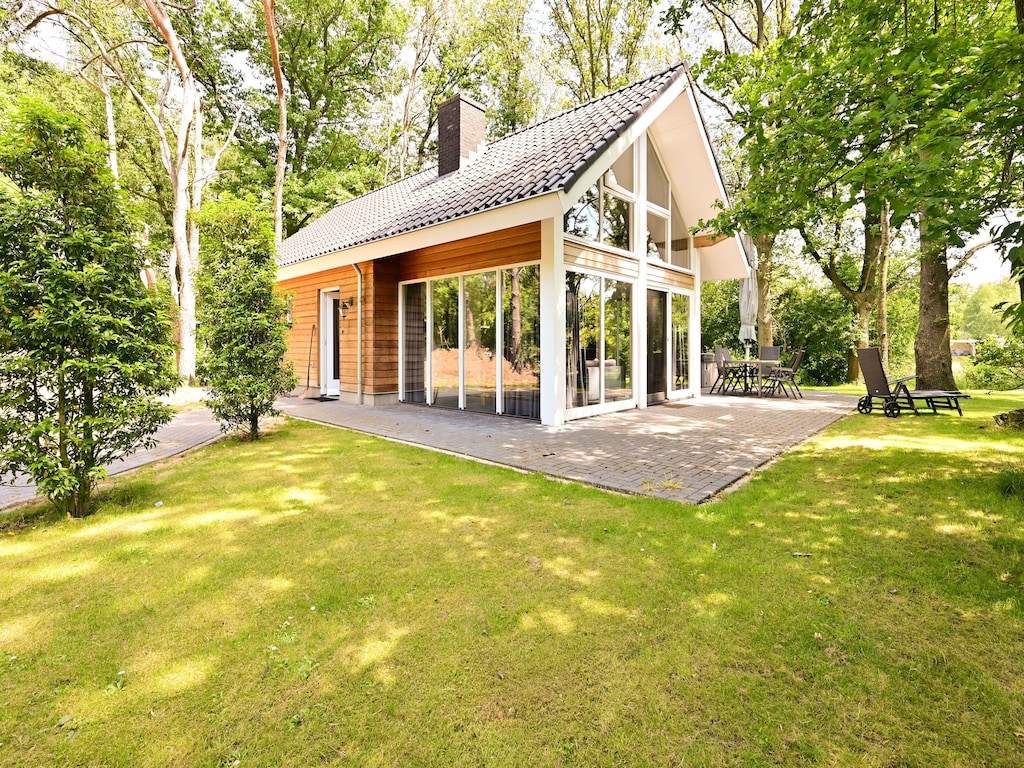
<point>511,215</point>
<point>621,144</point>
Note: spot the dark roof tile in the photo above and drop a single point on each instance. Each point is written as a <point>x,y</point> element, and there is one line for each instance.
<point>544,158</point>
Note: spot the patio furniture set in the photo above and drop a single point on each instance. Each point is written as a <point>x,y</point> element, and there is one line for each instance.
<point>764,376</point>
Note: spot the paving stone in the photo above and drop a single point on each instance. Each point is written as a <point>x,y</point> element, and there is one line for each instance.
<point>707,446</point>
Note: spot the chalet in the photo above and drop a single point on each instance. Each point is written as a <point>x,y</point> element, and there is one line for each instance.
<point>551,274</point>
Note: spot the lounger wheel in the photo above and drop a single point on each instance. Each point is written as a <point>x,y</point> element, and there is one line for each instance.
<point>892,410</point>
<point>864,404</point>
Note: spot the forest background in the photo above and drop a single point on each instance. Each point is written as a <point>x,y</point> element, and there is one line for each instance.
<point>298,105</point>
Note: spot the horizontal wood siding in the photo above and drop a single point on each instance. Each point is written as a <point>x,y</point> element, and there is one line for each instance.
<point>490,251</point>
<point>305,293</point>
<point>381,340</point>
<point>380,303</point>
<point>603,261</point>
<point>660,277</point>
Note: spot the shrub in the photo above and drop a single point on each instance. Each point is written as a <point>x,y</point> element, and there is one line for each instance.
<point>84,347</point>
<point>242,326</point>
<point>997,364</point>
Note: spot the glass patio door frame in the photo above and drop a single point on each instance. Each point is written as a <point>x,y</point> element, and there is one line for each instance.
<point>603,405</point>
<point>499,340</point>
<point>673,392</point>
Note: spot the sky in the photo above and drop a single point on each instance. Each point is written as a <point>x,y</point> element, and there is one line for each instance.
<point>989,267</point>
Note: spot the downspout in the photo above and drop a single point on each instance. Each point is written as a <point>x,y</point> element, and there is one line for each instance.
<point>359,333</point>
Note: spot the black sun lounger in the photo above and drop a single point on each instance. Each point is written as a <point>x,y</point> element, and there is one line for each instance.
<point>895,395</point>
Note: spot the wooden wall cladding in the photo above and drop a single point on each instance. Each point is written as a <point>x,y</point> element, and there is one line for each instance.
<point>380,303</point>
<point>600,260</point>
<point>490,251</point>
<point>305,293</point>
<point>663,277</point>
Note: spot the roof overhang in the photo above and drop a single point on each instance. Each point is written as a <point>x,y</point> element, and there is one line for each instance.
<point>511,215</point>
<point>697,186</point>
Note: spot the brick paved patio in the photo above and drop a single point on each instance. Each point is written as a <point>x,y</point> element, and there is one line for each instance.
<point>685,451</point>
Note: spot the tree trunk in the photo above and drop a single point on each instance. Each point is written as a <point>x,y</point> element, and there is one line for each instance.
<point>863,299</point>
<point>282,123</point>
<point>862,313</point>
<point>178,166</point>
<point>883,287</point>
<point>515,354</point>
<point>765,331</point>
<point>934,361</point>
<point>108,107</point>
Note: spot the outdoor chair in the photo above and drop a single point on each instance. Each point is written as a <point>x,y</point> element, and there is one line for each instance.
<point>783,376</point>
<point>769,354</point>
<point>894,395</point>
<point>730,372</point>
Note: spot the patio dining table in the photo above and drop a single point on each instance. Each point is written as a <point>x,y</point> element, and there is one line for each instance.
<point>753,373</point>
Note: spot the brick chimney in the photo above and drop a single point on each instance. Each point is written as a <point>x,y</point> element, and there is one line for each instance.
<point>461,128</point>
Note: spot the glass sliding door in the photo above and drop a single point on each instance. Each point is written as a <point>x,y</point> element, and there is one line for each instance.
<point>657,362</point>
<point>680,342</point>
<point>598,340</point>
<point>582,339</point>
<point>414,343</point>
<point>617,362</point>
<point>473,342</point>
<point>520,375</point>
<point>479,352</point>
<point>444,349</point>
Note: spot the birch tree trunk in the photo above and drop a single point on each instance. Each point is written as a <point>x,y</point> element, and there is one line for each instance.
<point>179,167</point>
<point>282,123</point>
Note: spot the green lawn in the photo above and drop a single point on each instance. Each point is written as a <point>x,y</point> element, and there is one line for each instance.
<point>324,597</point>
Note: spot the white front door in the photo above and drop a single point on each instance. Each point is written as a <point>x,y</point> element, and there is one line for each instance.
<point>330,362</point>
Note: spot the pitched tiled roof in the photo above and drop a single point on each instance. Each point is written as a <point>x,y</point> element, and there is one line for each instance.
<point>544,158</point>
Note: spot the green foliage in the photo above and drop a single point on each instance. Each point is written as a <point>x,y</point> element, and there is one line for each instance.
<point>976,313</point>
<point>881,100</point>
<point>1011,482</point>
<point>720,314</point>
<point>242,325</point>
<point>997,364</point>
<point>819,321</point>
<point>601,45</point>
<point>84,348</point>
<point>1012,237</point>
<point>335,55</point>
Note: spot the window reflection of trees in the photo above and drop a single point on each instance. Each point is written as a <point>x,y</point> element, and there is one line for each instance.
<point>617,362</point>
<point>681,341</point>
<point>521,341</point>
<point>598,366</point>
<point>615,223</point>
<point>584,217</point>
<point>444,351</point>
<point>601,216</point>
<point>479,365</point>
